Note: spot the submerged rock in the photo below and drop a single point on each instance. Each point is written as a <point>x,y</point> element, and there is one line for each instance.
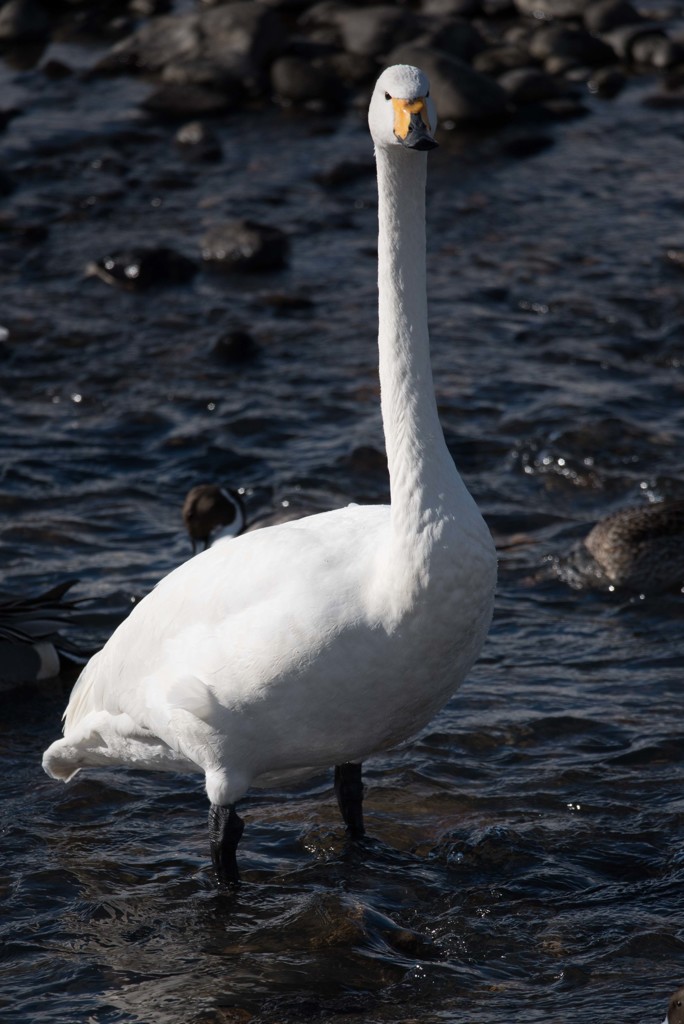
<point>143,268</point>
<point>245,245</point>
<point>179,102</point>
<point>196,141</point>
<point>235,346</point>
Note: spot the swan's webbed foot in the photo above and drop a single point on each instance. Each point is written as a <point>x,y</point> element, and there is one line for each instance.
<point>225,832</point>
<point>349,793</point>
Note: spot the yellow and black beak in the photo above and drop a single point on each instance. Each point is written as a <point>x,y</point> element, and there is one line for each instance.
<point>412,124</point>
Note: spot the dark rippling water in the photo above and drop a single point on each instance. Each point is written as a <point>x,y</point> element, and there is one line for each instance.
<point>526,853</point>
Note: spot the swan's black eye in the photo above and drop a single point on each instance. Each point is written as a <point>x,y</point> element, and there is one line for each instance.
<point>427,94</point>
<point>387,96</point>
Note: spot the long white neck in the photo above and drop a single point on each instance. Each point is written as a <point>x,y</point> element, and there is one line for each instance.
<point>424,484</point>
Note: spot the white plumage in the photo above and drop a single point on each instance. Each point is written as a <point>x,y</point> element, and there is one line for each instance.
<point>321,641</point>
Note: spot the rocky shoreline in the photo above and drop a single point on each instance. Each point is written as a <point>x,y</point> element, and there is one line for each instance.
<point>489,60</point>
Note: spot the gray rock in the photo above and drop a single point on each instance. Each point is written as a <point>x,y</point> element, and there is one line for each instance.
<point>605,15</point>
<point>451,8</point>
<point>204,73</point>
<point>624,38</point>
<point>158,42</point>
<point>579,74</point>
<point>499,59</point>
<point>519,34</point>
<point>607,82</point>
<point>560,65</point>
<point>658,51</point>
<point>138,269</point>
<point>454,36</point>
<point>238,39</point>
<point>529,85</point>
<point>299,81</point>
<point>23,19</point>
<point>197,142</point>
<point>244,245</point>
<point>574,43</point>
<point>235,346</point>
<point>377,29</point>
<point>352,70</point>
<point>547,10</point>
<point>178,102</point>
<point>460,92</point>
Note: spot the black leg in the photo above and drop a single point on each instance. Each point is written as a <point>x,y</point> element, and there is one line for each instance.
<point>225,831</point>
<point>349,793</point>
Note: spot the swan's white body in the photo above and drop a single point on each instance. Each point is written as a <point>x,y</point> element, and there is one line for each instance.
<point>323,640</point>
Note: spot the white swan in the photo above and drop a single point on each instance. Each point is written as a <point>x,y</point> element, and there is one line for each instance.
<point>321,641</point>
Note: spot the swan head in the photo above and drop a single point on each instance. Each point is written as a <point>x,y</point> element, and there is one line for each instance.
<point>401,112</point>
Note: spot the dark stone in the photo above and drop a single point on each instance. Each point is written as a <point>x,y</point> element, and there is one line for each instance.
<point>178,102</point>
<point>499,59</point>
<point>518,34</point>
<point>235,346</point>
<point>576,43</point>
<point>460,92</point>
<point>158,42</point>
<point>238,39</point>
<point>560,65</point>
<point>351,69</point>
<point>452,8</point>
<point>529,85</point>
<point>657,51</point>
<point>206,74</point>
<point>23,20</point>
<point>56,69</point>
<point>288,6</point>
<point>198,142</point>
<point>377,29</point>
<point>580,73</point>
<point>548,10</point>
<point>607,82</point>
<point>299,81</point>
<point>624,38</point>
<point>244,245</point>
<point>454,36</point>
<point>499,9</point>
<point>605,15</point>
<point>144,268</point>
